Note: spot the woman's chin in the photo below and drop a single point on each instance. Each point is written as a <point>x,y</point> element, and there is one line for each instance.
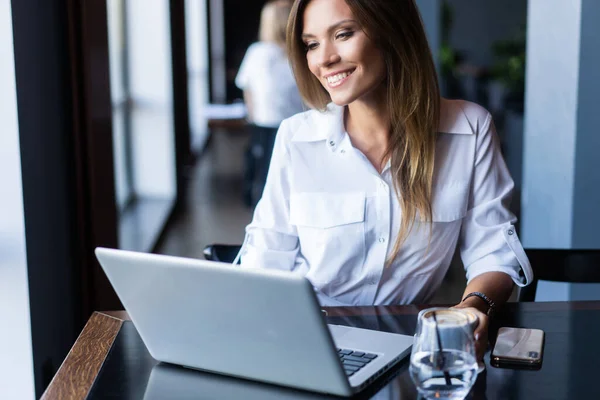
<point>343,97</point>
<point>340,100</point>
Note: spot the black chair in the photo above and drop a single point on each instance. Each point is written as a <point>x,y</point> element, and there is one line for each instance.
<point>221,252</point>
<point>570,266</point>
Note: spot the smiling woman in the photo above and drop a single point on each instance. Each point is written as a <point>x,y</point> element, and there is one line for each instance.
<point>366,55</point>
<point>370,193</point>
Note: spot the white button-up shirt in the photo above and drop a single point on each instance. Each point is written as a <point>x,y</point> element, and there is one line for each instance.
<point>328,214</point>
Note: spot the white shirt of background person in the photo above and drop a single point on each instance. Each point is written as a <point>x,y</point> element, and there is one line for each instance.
<point>265,73</point>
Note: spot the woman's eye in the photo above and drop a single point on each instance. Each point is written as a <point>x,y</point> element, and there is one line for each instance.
<point>310,46</point>
<point>344,35</point>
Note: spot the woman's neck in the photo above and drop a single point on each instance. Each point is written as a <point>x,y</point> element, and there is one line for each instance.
<point>368,125</point>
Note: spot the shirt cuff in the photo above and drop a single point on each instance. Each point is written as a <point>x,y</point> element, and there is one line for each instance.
<point>520,272</point>
<point>512,271</point>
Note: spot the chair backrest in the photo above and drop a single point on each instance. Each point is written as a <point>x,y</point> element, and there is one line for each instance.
<point>221,252</point>
<point>571,266</point>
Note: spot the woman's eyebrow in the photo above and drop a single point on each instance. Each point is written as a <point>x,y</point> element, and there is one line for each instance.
<point>331,28</point>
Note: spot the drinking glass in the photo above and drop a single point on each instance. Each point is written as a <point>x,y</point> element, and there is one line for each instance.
<point>443,364</point>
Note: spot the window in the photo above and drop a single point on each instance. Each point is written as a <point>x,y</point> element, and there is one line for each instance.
<point>16,368</point>
<point>143,129</point>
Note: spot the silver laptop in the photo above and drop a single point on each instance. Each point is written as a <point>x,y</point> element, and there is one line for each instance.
<point>258,324</point>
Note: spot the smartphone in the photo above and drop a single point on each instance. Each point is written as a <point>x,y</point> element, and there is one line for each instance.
<point>518,348</point>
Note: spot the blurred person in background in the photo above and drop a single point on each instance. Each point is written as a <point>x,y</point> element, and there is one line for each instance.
<point>270,93</point>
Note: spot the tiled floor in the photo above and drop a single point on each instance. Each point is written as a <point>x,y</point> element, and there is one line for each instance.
<point>214,211</point>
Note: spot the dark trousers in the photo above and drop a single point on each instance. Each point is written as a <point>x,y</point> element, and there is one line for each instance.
<point>257,160</point>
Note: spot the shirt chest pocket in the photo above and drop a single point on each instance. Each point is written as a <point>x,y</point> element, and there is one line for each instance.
<point>450,200</point>
<point>329,225</point>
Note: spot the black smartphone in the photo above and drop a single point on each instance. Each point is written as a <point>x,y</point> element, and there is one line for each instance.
<point>518,348</point>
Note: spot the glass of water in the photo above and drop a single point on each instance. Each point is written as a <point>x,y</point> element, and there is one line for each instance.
<point>443,364</point>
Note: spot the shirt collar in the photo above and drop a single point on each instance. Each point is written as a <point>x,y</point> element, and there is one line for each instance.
<point>325,125</point>
<point>328,125</point>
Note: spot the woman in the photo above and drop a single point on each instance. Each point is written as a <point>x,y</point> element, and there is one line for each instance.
<point>270,92</point>
<point>369,194</point>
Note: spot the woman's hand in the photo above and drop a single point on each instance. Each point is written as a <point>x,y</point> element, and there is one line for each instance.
<point>497,286</point>
<point>481,331</point>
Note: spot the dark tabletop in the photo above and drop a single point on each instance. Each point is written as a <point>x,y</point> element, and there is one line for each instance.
<point>570,362</point>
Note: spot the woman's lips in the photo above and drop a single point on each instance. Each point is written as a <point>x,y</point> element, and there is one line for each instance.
<point>335,81</point>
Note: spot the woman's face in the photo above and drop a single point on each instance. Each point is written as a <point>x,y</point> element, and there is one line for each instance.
<point>340,54</point>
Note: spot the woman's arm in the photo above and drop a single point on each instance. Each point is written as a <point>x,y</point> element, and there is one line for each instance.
<point>490,249</point>
<point>271,241</point>
<point>243,79</point>
<point>488,239</point>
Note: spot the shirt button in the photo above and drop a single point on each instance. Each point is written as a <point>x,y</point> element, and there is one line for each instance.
<point>343,151</point>
<point>511,232</point>
<point>332,143</point>
<point>381,240</point>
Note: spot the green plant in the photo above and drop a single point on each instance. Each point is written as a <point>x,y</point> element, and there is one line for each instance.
<point>447,59</point>
<point>509,67</point>
<point>447,55</point>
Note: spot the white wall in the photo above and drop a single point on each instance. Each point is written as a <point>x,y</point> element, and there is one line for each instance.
<point>550,123</point>
<point>561,195</point>
<point>586,214</point>
<point>16,366</point>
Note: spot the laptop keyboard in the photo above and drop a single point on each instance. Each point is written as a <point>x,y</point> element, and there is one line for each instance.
<point>353,361</point>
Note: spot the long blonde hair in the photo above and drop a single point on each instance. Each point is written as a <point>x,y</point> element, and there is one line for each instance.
<point>413,96</point>
<point>273,21</point>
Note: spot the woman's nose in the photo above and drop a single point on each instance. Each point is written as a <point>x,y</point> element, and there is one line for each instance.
<point>328,56</point>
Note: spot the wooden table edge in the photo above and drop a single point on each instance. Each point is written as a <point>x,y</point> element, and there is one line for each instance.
<point>79,370</point>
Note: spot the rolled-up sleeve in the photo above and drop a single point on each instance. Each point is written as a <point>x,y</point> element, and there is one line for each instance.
<point>271,241</point>
<point>488,240</point>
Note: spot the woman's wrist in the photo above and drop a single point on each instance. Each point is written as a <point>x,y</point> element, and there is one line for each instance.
<point>475,303</point>
<point>479,301</point>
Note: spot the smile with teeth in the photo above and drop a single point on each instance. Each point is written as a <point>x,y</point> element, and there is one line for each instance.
<point>338,79</point>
